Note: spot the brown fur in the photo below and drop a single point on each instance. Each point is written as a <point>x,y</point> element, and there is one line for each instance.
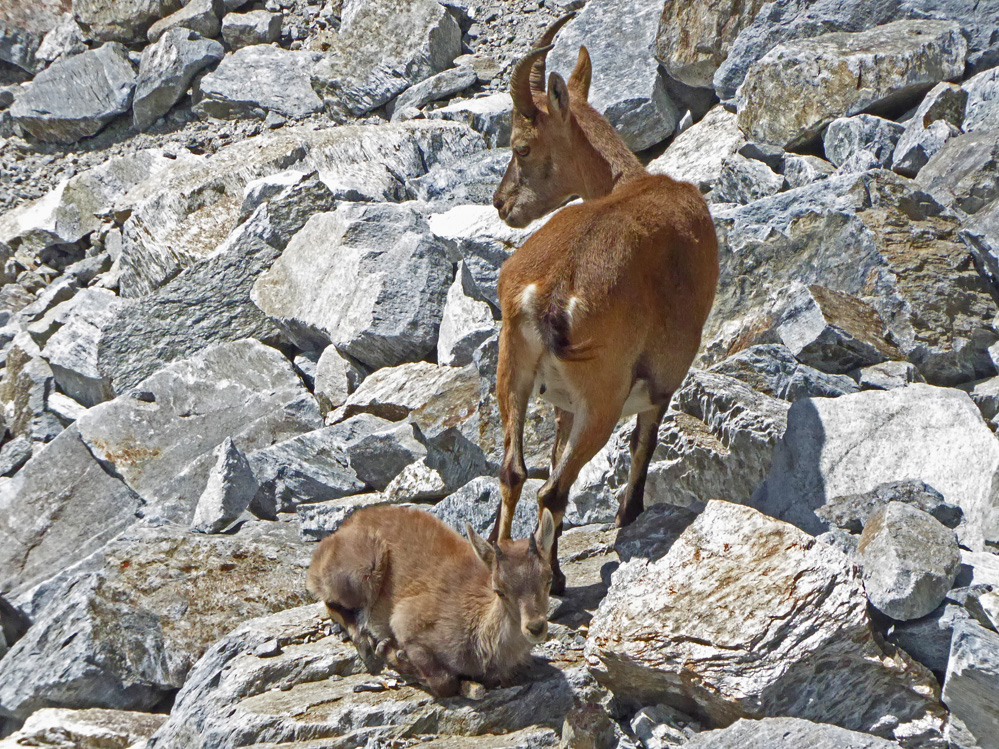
<point>412,591</point>
<point>609,295</point>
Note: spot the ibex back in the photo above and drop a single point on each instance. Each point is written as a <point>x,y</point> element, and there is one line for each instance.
<point>604,305</point>
<point>411,591</point>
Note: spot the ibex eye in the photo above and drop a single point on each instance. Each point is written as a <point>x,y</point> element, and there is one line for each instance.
<point>522,150</point>
<point>499,592</point>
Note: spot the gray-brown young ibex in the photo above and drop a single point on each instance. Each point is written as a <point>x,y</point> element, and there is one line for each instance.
<point>411,591</point>
<point>603,306</point>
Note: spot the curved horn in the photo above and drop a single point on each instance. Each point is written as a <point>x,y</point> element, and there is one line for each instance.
<point>520,82</point>
<point>545,40</point>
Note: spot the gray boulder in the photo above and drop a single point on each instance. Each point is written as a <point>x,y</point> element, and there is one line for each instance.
<point>852,444</point>
<point>832,331</point>
<point>696,155</point>
<point>627,89</point>
<point>666,633</point>
<point>25,388</point>
<point>159,437</point>
<point>231,485</point>
<point>470,179</point>
<point>773,370</point>
<point>800,170</point>
<point>14,454</point>
<point>316,520</point>
<point>92,728</point>
<point>77,96</point>
<point>786,733</point>
<point>381,455</point>
<point>477,503</point>
<point>489,115</point>
<point>60,507</point>
<point>851,512</point>
<point>910,561</point>
<point>134,618</point>
<point>982,109</point>
<point>23,27</point>
<point>255,27</point>
<point>253,81</point>
<point>965,171</point>
<point>382,48</point>
<point>444,85</point>
<point>336,378</point>
<point>864,132</point>
<point>123,21</point>
<point>927,639</point>
<point>741,180</point>
<point>886,375</point>
<point>200,16</point>
<point>465,323</point>
<point>376,290</point>
<point>166,71</point>
<point>970,689</point>
<point>844,74</point>
<point>936,120</point>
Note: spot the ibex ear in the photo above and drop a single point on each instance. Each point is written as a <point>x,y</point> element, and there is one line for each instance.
<point>558,97</point>
<point>483,549</point>
<point>544,536</point>
<point>579,81</point>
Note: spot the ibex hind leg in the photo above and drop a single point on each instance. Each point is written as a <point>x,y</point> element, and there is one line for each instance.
<point>643,445</point>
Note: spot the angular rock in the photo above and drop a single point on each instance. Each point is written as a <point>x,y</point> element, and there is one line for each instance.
<point>234,695</point>
<point>65,39</point>
<point>310,467</point>
<point>94,728</point>
<point>665,632</point>
<point>802,170</point>
<point>380,456</point>
<point>200,16</point>
<point>697,154</point>
<point>25,388</point>
<point>936,120</point>
<point>477,503</point>
<point>77,96</point>
<point>255,27</point>
<point>417,482</point>
<point>982,108</point>
<point>852,444</point>
<point>851,512</point>
<point>785,733</point>
<point>927,639</point>
<point>384,47</point>
<point>253,81</point>
<point>393,270</point>
<point>231,485</point>
<point>159,437</point>
<point>743,180</point>
<point>23,26</point>
<point>985,394</point>
<point>14,454</point>
<point>970,690</point>
<point>166,71</point>
<point>336,378</point>
<point>694,37</point>
<point>72,351</point>
<point>316,520</point>
<point>209,302</point>
<point>965,171</point>
<point>629,90</point>
<point>121,20</point>
<point>910,561</point>
<point>489,115</point>
<point>444,85</point>
<point>832,331</point>
<point>466,322</point>
<point>886,375</point>
<point>772,370</point>
<point>471,179</point>
<point>134,618</point>
<point>59,507</point>
<point>718,444</point>
<point>845,136</point>
<point>875,236</point>
<point>844,74</point>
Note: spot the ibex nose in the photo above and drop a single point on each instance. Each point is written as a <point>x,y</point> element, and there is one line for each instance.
<point>497,201</point>
<point>538,628</point>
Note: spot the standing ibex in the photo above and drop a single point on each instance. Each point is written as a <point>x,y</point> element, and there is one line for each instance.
<point>603,306</point>
<point>409,589</point>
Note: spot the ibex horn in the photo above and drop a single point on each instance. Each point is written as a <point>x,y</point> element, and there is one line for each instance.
<point>545,40</point>
<point>520,82</point>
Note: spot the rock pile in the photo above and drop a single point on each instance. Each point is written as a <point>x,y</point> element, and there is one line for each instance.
<point>248,284</point>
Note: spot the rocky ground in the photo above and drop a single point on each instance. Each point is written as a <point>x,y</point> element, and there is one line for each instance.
<point>248,285</point>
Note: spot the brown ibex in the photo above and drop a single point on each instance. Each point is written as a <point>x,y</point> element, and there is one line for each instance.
<point>410,590</point>
<point>604,305</point>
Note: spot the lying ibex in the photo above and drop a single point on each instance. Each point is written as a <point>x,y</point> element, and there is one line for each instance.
<point>603,306</point>
<point>411,591</point>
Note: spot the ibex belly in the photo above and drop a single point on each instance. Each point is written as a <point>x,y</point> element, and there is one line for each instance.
<point>551,383</point>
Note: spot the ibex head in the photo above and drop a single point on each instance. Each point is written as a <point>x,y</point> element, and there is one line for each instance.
<point>544,168</point>
<point>521,575</point>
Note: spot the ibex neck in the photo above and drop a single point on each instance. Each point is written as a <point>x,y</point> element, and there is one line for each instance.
<point>605,160</point>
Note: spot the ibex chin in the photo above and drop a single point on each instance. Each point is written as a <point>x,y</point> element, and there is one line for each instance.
<point>412,592</point>
<point>603,306</point>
